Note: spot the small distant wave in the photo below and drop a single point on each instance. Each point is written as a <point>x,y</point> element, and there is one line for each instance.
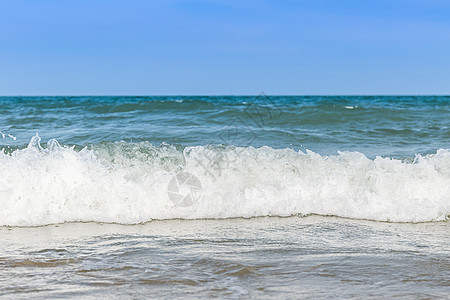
<point>127,183</point>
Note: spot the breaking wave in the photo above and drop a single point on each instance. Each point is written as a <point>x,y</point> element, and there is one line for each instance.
<point>128,183</point>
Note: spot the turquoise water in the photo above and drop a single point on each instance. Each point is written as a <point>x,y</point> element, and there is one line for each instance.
<point>231,196</point>
<point>374,125</point>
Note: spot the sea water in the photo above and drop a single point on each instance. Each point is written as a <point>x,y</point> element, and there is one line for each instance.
<point>231,196</point>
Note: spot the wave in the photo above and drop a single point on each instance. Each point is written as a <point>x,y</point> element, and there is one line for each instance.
<point>129,183</point>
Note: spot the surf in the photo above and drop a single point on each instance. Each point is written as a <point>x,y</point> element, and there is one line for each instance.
<point>129,183</point>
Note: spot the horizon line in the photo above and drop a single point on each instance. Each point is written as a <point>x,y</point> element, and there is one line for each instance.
<point>222,95</point>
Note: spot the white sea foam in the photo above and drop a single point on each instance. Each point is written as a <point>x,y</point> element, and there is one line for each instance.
<point>4,135</point>
<point>127,183</point>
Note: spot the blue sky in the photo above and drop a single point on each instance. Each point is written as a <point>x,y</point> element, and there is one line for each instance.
<point>174,47</point>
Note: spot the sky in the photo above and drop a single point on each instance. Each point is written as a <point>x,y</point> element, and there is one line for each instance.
<point>224,47</point>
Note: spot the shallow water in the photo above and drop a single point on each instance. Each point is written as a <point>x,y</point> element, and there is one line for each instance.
<point>310,257</point>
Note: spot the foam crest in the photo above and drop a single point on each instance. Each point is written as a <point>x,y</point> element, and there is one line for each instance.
<point>128,183</point>
<point>6,135</point>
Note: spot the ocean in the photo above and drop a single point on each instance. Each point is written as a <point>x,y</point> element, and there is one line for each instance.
<point>225,196</point>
